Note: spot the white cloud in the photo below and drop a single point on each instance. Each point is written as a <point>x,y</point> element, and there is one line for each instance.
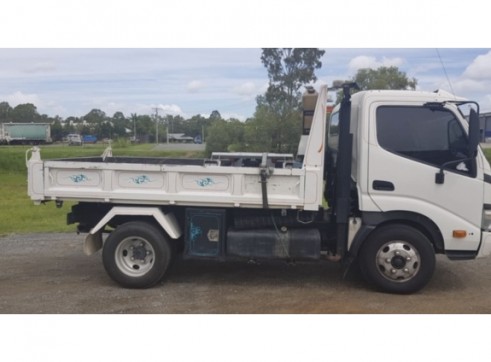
<point>246,89</point>
<point>480,68</point>
<point>171,109</point>
<point>363,61</point>
<point>229,115</point>
<point>149,109</point>
<point>51,108</point>
<point>485,103</point>
<point>475,81</point>
<point>18,97</point>
<point>112,107</point>
<point>467,86</point>
<point>194,86</point>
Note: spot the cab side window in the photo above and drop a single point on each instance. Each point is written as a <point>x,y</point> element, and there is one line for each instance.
<point>430,136</point>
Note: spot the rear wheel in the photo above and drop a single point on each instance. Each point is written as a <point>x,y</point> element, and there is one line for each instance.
<point>397,259</point>
<point>137,255</point>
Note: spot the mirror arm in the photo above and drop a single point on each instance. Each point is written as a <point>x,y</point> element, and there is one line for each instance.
<point>440,175</point>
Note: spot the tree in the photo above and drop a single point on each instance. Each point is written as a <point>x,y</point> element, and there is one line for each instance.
<point>289,69</point>
<point>145,128</point>
<point>384,78</point>
<point>119,116</point>
<point>273,129</point>
<point>225,136</point>
<point>118,129</point>
<point>68,128</point>
<point>215,115</point>
<point>194,126</point>
<point>57,130</point>
<point>381,78</point>
<point>104,130</point>
<point>95,116</point>
<point>25,113</point>
<point>276,122</point>
<point>86,130</point>
<point>5,111</point>
<point>174,124</point>
<point>119,124</point>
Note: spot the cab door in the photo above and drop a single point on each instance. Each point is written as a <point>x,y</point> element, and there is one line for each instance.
<point>408,145</point>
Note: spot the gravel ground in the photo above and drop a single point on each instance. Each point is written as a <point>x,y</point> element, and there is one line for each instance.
<point>49,273</point>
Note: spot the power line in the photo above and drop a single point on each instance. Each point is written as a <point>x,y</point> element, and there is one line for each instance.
<point>445,71</point>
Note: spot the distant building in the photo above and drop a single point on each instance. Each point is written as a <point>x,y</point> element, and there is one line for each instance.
<point>179,138</point>
<point>485,121</point>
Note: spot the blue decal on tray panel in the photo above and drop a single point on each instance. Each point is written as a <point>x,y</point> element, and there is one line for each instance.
<point>79,178</point>
<point>139,180</point>
<point>204,182</point>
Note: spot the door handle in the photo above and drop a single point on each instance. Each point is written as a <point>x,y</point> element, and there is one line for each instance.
<point>383,185</point>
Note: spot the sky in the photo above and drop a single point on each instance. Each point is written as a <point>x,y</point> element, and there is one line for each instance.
<point>189,81</point>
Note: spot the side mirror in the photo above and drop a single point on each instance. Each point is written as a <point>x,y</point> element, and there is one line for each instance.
<point>474,133</point>
<point>474,139</point>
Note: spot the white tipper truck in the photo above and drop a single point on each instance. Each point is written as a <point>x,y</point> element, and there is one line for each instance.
<point>402,173</point>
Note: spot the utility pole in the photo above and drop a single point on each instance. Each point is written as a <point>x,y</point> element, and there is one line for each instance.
<point>156,109</point>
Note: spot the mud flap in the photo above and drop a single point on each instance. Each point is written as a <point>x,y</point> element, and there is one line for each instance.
<point>93,242</point>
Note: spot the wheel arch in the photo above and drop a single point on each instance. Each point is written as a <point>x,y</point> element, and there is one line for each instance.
<point>372,221</point>
<point>166,221</point>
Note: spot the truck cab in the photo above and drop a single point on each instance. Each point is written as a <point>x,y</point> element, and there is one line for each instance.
<point>417,173</point>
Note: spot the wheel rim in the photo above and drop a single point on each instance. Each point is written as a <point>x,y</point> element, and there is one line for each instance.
<point>134,256</point>
<point>398,261</point>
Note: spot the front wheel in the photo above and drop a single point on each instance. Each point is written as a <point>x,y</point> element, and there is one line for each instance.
<point>397,259</point>
<point>137,255</point>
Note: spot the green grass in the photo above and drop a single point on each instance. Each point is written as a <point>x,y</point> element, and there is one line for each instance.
<point>487,153</point>
<point>18,214</point>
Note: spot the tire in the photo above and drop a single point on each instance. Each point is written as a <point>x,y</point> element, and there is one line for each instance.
<point>137,255</point>
<point>397,259</point>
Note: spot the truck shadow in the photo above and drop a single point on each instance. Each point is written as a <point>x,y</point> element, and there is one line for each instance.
<point>262,273</point>
<point>448,276</point>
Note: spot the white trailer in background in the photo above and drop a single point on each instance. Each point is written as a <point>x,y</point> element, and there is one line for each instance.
<point>25,133</point>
